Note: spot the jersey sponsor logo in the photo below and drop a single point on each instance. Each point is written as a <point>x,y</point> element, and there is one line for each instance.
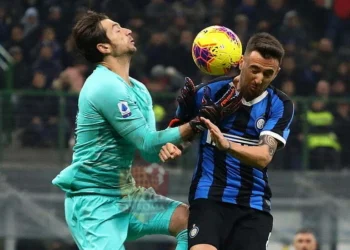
<point>260,123</point>
<point>194,231</point>
<point>124,109</point>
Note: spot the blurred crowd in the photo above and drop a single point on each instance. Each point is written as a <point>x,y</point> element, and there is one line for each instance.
<point>315,34</point>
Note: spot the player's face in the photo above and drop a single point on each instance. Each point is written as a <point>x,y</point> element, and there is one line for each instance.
<point>305,241</point>
<point>121,41</point>
<point>256,75</point>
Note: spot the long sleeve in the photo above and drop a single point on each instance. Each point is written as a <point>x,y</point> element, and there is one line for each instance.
<point>114,102</point>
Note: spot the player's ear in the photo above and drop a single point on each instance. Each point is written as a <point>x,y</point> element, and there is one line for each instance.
<point>276,73</point>
<point>241,63</point>
<point>103,48</point>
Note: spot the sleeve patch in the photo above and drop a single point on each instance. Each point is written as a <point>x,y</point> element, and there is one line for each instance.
<point>124,109</point>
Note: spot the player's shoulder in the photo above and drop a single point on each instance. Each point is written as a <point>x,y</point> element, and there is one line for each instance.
<point>215,83</point>
<point>138,84</point>
<point>279,98</point>
<point>218,86</point>
<point>103,80</point>
<point>279,94</point>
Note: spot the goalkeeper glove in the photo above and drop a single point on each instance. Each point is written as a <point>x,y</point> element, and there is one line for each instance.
<point>186,100</point>
<point>216,111</point>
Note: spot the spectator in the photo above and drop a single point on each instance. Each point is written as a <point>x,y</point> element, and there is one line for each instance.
<point>38,116</point>
<point>322,141</point>
<point>183,61</point>
<point>21,70</point>
<point>193,10</point>
<point>31,24</point>
<point>157,50</point>
<point>45,63</point>
<point>71,81</point>
<point>342,72</point>
<point>54,20</point>
<point>48,39</point>
<point>271,15</point>
<point>113,9</point>
<point>342,128</point>
<point>241,28</point>
<point>5,22</point>
<point>159,13</point>
<point>339,89</point>
<point>174,30</point>
<point>326,56</point>
<point>249,9</point>
<point>288,71</point>
<point>290,157</point>
<point>323,89</point>
<point>17,39</point>
<point>293,31</point>
<point>305,239</point>
<point>310,76</point>
<point>337,30</point>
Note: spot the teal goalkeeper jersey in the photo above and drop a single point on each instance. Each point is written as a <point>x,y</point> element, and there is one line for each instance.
<point>114,119</point>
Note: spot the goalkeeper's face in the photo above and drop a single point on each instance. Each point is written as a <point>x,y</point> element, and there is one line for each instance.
<point>256,75</point>
<point>121,42</point>
<point>305,241</point>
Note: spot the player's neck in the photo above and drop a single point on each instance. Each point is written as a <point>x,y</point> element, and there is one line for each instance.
<point>120,66</point>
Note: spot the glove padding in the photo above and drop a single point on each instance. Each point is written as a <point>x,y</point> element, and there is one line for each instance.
<point>186,100</point>
<point>216,111</point>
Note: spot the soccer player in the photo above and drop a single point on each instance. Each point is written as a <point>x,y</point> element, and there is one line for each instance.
<point>229,195</point>
<point>305,239</point>
<point>103,207</point>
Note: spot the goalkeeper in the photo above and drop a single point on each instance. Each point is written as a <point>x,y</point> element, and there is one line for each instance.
<point>103,207</point>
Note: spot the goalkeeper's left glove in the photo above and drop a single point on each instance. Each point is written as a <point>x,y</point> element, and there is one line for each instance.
<point>216,111</point>
<point>187,101</point>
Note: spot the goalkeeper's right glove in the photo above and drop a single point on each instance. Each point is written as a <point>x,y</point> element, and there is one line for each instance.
<point>216,111</point>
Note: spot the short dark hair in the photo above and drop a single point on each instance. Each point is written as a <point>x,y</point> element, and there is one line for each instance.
<point>305,231</point>
<point>267,45</point>
<point>87,33</point>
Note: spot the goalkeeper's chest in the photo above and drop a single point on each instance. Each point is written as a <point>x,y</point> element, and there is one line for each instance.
<point>143,100</point>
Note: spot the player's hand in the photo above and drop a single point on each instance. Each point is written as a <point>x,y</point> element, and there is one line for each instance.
<point>169,152</point>
<point>217,137</point>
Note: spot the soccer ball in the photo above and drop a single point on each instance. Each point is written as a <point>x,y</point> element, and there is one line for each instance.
<point>216,49</point>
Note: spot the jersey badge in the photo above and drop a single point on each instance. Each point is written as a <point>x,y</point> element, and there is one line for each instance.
<point>124,109</point>
<point>260,123</point>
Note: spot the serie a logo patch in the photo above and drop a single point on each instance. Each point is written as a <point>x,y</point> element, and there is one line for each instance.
<point>124,109</point>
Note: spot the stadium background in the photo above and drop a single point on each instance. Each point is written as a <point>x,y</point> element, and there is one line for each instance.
<point>41,76</point>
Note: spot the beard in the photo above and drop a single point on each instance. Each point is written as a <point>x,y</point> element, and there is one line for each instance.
<point>116,52</point>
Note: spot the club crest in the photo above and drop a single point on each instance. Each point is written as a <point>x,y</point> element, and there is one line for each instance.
<point>194,231</point>
<point>260,123</point>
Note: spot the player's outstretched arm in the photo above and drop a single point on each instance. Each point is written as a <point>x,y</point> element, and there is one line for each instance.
<point>259,156</point>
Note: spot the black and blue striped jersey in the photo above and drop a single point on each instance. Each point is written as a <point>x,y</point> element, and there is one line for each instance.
<point>220,176</point>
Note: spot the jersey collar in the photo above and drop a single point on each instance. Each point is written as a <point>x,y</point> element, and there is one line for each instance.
<point>255,100</point>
